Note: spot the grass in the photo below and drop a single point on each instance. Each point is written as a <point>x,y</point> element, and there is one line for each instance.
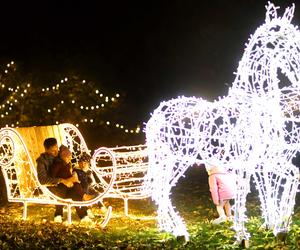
<point>139,230</point>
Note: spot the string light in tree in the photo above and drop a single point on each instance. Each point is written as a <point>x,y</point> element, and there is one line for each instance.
<point>18,98</point>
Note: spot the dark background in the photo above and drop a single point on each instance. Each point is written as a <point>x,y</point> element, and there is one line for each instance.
<point>151,50</point>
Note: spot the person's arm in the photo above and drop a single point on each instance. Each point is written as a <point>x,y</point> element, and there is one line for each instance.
<point>89,177</point>
<point>213,187</point>
<point>44,177</point>
<point>54,169</point>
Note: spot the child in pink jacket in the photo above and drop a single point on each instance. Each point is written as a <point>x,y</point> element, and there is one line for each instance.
<point>222,188</point>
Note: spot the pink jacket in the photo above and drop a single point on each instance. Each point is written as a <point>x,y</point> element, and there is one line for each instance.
<point>221,185</point>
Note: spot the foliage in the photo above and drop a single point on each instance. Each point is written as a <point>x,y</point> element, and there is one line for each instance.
<point>139,231</point>
<point>26,101</point>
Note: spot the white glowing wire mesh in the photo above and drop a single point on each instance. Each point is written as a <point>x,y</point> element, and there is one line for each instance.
<point>254,130</point>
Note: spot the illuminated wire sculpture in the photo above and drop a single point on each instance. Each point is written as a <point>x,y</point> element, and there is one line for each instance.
<point>254,130</point>
<point>130,169</point>
<point>20,147</point>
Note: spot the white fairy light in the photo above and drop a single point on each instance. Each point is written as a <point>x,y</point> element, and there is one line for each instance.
<point>254,130</point>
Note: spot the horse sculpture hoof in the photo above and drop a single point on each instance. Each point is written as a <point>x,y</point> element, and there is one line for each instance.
<point>245,244</point>
<point>281,236</point>
<point>182,239</point>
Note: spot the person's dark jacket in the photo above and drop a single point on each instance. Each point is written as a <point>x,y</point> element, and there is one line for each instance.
<point>43,170</point>
<point>59,169</point>
<point>84,178</point>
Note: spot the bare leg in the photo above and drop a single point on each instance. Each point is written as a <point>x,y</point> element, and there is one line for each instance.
<point>222,216</point>
<point>227,208</point>
<point>220,209</point>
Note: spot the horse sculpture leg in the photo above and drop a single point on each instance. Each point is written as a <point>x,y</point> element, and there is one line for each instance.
<point>168,219</point>
<point>277,188</point>
<point>285,194</point>
<point>243,188</point>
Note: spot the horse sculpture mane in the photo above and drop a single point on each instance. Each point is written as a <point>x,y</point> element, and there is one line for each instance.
<point>256,127</point>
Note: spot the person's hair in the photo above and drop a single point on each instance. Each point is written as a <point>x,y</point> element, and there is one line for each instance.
<point>64,151</point>
<point>84,157</point>
<point>50,142</point>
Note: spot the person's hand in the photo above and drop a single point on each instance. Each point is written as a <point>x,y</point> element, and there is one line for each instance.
<point>67,182</point>
<point>75,177</point>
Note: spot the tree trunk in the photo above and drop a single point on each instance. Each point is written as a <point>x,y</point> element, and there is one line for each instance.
<point>3,194</point>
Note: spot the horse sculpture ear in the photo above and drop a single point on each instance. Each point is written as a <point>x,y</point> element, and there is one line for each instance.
<point>289,13</point>
<point>271,12</point>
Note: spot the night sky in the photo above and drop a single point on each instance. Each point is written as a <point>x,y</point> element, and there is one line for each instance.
<point>152,50</point>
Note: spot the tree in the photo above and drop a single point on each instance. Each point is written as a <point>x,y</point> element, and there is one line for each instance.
<point>99,114</point>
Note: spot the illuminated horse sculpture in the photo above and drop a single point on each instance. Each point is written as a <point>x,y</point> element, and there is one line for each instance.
<point>256,127</point>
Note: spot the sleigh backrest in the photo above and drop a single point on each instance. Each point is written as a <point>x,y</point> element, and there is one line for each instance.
<point>20,147</point>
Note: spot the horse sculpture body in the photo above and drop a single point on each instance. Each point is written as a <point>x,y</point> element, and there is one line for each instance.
<point>256,127</point>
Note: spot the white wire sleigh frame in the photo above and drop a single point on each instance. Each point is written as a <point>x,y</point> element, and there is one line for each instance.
<point>20,147</point>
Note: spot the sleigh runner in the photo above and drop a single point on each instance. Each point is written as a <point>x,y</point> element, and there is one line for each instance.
<point>20,147</point>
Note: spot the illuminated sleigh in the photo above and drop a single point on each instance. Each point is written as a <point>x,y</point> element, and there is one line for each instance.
<point>20,147</point>
<point>131,169</point>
